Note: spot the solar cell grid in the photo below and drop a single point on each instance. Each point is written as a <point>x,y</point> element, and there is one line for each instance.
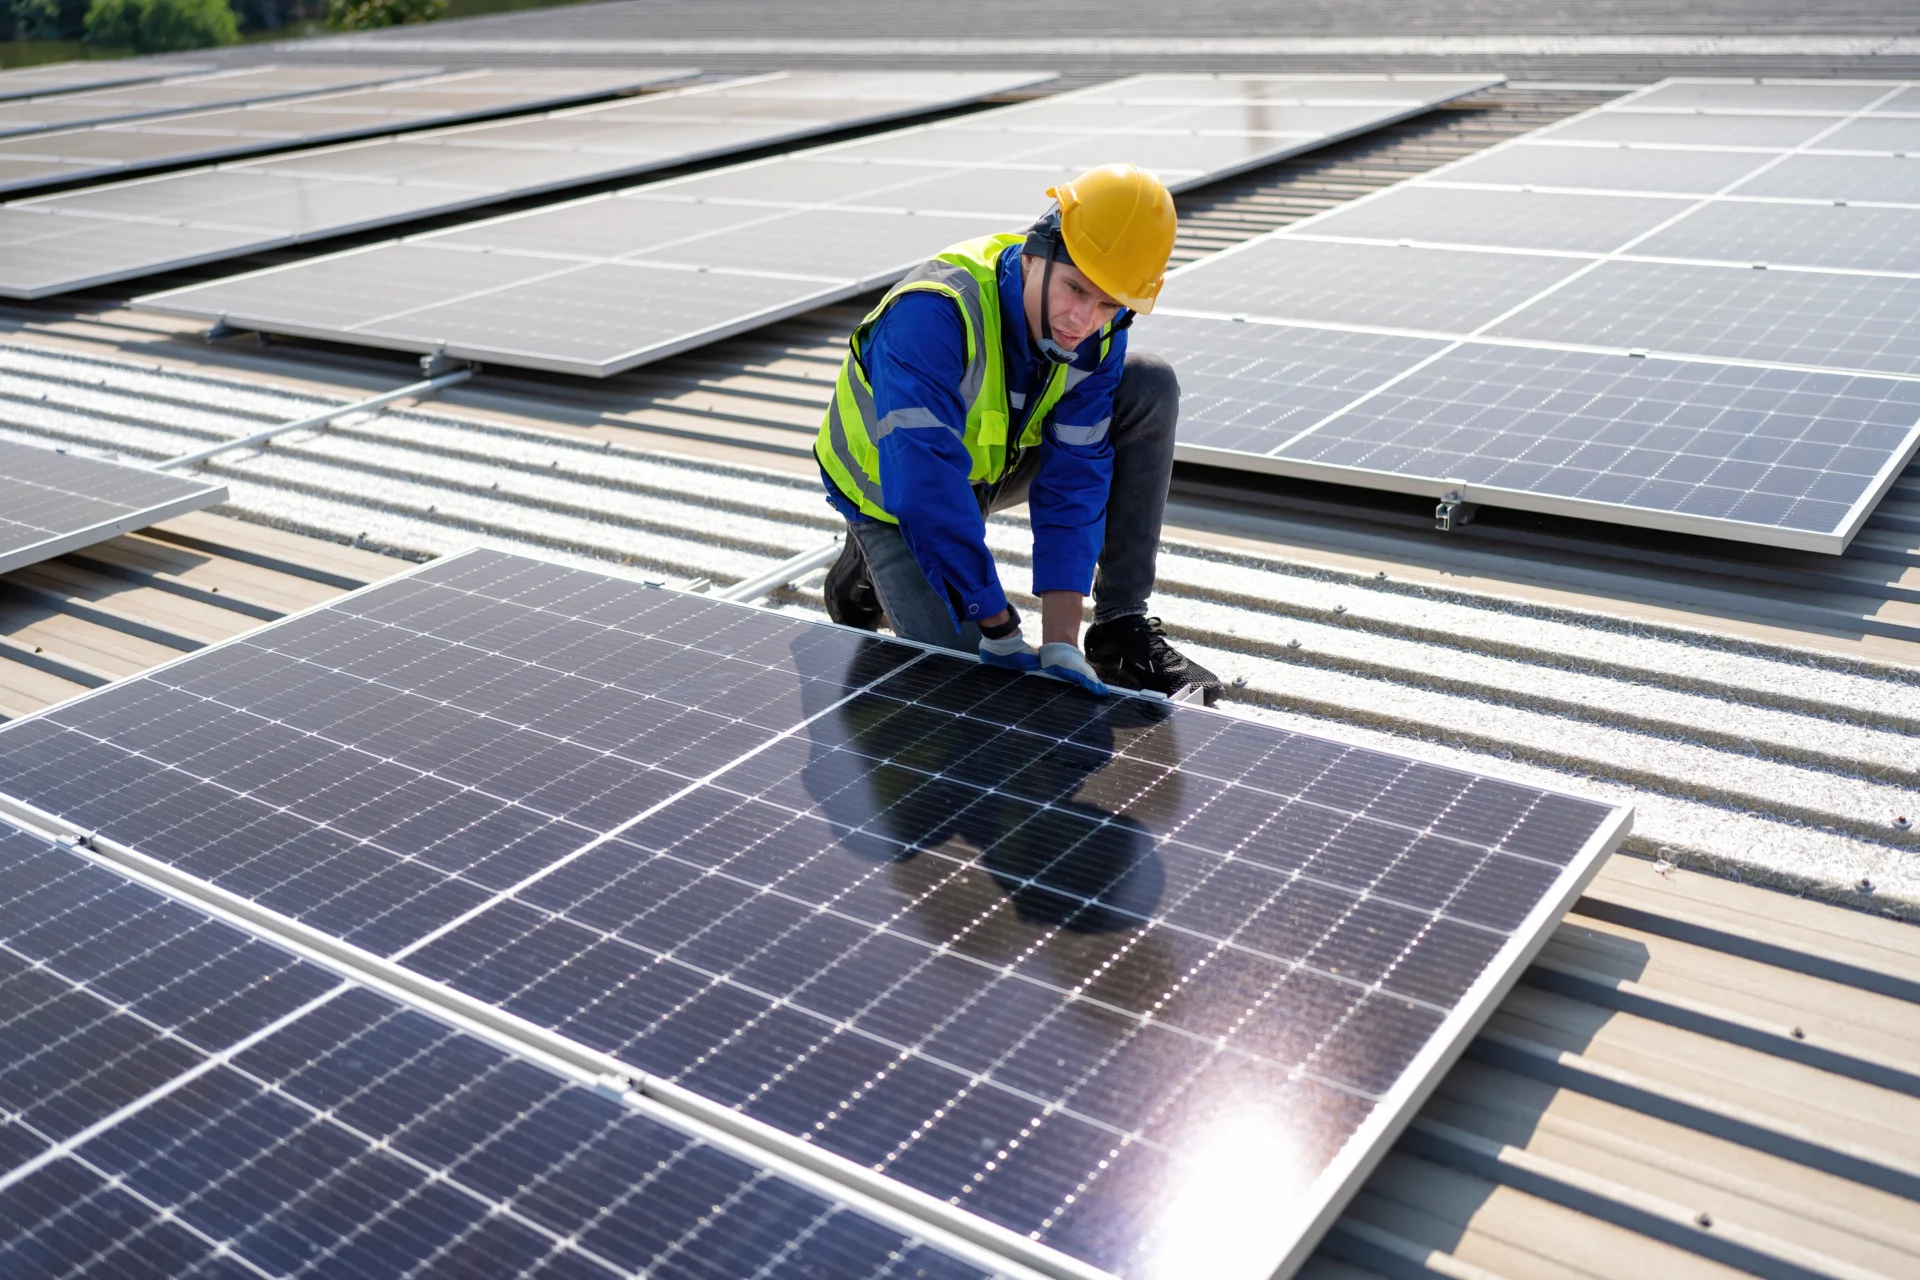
<point>1670,172</point>
<point>1895,134</point>
<point>1032,953</point>
<point>1907,101</point>
<point>1673,276</point>
<point>53,502</point>
<point>1867,322</point>
<point>1885,179</point>
<point>1503,219</point>
<point>1335,282</point>
<point>1744,232</point>
<point>181,1098</point>
<point>1759,446</point>
<point>994,167</point>
<point>1782,132</point>
<point>1761,96</point>
<point>1246,387</point>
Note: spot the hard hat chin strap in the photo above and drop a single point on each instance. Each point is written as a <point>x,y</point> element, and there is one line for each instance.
<point>1048,347</point>
<point>1044,241</point>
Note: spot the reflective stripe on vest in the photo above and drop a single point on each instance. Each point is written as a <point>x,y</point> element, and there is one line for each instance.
<point>969,274</point>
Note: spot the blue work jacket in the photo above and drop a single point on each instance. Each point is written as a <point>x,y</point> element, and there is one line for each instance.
<point>914,358</point>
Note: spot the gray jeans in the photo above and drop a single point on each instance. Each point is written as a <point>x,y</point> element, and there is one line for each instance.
<point>1146,407</point>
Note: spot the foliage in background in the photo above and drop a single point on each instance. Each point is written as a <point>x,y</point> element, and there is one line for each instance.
<point>364,15</point>
<point>160,26</point>
<point>276,15</point>
<point>42,19</point>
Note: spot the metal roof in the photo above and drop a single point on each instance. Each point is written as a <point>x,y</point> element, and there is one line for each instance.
<point>1699,1076</point>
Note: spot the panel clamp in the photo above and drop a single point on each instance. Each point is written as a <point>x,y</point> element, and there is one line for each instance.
<point>220,331</point>
<point>1453,512</point>
<point>440,363</point>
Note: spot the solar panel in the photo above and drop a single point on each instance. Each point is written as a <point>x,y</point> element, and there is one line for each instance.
<point>181,1098</point>
<point>1146,984</point>
<point>1900,135</point>
<point>126,229</point>
<point>1888,179</point>
<point>1699,329</point>
<point>1830,319</point>
<point>1503,219</point>
<point>925,188</point>
<point>189,93</point>
<point>70,156</point>
<point>1690,130</point>
<point>69,77</point>
<point>1597,168</point>
<point>52,503</point>
<point>1761,96</point>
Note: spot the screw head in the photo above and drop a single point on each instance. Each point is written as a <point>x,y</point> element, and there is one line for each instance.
<point>1705,1219</point>
<point>1799,1033</point>
<point>1293,644</point>
<point>1903,822</point>
<point>1865,885</point>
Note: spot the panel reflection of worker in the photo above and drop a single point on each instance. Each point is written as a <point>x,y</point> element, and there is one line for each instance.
<point>998,373</point>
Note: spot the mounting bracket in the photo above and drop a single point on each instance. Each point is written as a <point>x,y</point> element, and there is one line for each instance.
<point>1453,512</point>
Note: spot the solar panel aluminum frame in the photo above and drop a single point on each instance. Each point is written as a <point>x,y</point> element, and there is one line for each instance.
<point>178,302</point>
<point>737,1135</point>
<point>73,540</point>
<point>1302,1224</point>
<point>613,172</point>
<point>1455,490</point>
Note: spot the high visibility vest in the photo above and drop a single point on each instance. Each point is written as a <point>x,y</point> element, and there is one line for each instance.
<point>848,444</point>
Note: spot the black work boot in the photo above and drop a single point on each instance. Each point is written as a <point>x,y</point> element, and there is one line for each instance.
<point>1133,653</point>
<point>851,599</point>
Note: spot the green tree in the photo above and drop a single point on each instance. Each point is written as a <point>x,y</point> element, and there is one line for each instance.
<point>363,15</point>
<point>161,26</point>
<point>43,19</point>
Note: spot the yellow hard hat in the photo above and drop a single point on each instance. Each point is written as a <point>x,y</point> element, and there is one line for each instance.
<point>1117,224</point>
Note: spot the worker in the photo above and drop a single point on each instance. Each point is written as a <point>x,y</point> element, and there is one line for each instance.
<point>998,373</point>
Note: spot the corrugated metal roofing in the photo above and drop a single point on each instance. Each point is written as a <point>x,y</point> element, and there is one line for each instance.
<point>1698,1078</point>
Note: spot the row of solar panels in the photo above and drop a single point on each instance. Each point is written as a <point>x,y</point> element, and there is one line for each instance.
<point>511,920</point>
<point>713,267</point>
<point>1573,322</point>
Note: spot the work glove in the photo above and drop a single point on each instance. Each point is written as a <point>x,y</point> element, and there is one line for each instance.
<point>1009,653</point>
<point>1063,661</point>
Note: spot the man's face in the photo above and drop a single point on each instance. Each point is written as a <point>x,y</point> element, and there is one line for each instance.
<point>1078,308</point>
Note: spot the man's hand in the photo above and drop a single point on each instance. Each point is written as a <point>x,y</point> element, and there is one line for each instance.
<point>1010,653</point>
<point>1065,662</point>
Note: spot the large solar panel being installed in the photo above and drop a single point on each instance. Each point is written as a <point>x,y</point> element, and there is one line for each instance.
<point>113,232</point>
<point>189,93</point>
<point>790,233</point>
<point>77,155</point>
<point>1146,984</point>
<point>180,1098</point>
<point>1671,311</point>
<point>52,502</point>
